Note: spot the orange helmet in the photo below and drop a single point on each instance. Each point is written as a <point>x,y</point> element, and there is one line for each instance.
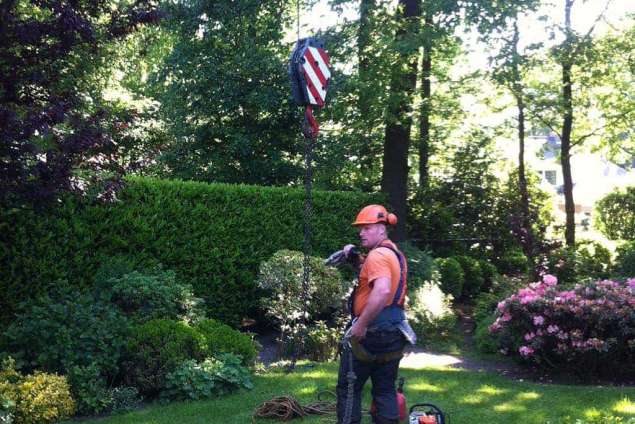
<point>372,214</point>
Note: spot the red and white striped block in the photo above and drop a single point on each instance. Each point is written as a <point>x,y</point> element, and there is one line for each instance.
<point>317,74</point>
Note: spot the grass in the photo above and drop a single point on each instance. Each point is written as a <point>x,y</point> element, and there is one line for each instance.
<point>467,397</point>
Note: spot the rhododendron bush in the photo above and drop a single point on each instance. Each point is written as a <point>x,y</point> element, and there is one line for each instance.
<point>588,330</point>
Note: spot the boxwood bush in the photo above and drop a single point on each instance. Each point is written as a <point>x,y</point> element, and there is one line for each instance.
<point>157,348</point>
<point>221,338</point>
<point>214,236</point>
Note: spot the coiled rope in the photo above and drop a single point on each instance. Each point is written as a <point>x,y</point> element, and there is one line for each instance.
<point>286,408</point>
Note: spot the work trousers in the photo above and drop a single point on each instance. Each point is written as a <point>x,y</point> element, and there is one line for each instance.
<point>382,376</point>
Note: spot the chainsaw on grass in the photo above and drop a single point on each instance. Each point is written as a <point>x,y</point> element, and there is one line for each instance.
<point>426,413</point>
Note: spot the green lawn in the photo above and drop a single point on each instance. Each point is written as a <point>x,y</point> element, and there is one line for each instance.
<point>467,397</point>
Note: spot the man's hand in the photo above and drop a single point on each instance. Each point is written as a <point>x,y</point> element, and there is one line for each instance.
<point>358,331</point>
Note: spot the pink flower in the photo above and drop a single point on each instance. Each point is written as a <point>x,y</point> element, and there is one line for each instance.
<point>538,320</point>
<point>494,327</point>
<point>506,317</point>
<point>525,351</point>
<point>552,329</point>
<point>630,283</point>
<point>529,336</point>
<point>501,306</point>
<point>549,280</point>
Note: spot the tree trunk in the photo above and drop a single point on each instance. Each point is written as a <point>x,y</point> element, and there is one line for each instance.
<point>567,127</point>
<point>424,117</point>
<point>397,136</point>
<point>366,157</point>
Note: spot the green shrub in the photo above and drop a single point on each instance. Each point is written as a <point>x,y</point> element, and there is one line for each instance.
<point>39,398</point>
<point>420,264</point>
<point>214,236</point>
<point>124,399</point>
<point>212,377</point>
<point>484,340</point>
<point>589,260</point>
<point>513,262</point>
<point>65,330</point>
<point>625,260</point>
<point>151,294</point>
<point>221,338</point>
<point>89,390</point>
<point>430,313</point>
<point>489,273</point>
<point>281,278</point>
<point>451,276</point>
<point>615,214</point>
<point>322,341</point>
<point>157,348</point>
<point>472,276</point>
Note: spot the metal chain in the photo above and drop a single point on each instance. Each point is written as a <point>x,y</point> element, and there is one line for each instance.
<point>306,248</point>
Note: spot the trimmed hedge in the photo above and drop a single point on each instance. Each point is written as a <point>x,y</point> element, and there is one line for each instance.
<point>213,236</point>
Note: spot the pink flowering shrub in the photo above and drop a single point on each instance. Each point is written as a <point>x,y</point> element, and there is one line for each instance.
<point>589,329</point>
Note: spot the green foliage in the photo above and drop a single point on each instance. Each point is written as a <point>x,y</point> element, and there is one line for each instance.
<point>452,276</point>
<point>484,340</point>
<point>625,260</point>
<point>322,341</point>
<point>89,390</point>
<point>513,262</point>
<point>472,276</point>
<point>420,264</point>
<point>430,313</point>
<point>157,348</point>
<point>56,333</point>
<point>39,398</point>
<point>213,236</point>
<point>210,378</point>
<point>489,273</point>
<point>153,294</point>
<point>221,338</point>
<point>282,278</point>
<point>588,260</point>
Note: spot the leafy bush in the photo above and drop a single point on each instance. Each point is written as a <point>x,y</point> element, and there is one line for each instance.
<point>123,399</point>
<point>430,313</point>
<point>39,398</point>
<point>65,330</point>
<point>452,276</point>
<point>615,214</point>
<point>322,341</point>
<point>589,260</point>
<point>157,348</point>
<point>89,390</point>
<point>513,262</point>
<point>587,330</point>
<point>153,294</point>
<point>221,338</point>
<point>625,260</point>
<point>472,276</point>
<point>420,264</point>
<point>281,278</point>
<point>489,273</point>
<point>211,235</point>
<point>213,377</point>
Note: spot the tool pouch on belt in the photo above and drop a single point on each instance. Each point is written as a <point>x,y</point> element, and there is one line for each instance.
<point>363,355</point>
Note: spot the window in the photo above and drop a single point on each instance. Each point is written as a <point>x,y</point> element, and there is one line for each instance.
<point>551,177</point>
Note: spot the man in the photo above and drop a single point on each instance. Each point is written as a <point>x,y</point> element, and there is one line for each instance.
<point>379,330</point>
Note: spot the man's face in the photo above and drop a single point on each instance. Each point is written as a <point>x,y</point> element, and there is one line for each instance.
<point>372,234</point>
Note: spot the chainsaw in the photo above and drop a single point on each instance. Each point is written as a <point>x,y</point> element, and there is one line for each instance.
<point>426,413</point>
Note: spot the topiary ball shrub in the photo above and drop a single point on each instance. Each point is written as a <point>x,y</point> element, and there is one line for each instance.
<point>587,330</point>
<point>157,348</point>
<point>472,276</point>
<point>452,276</point>
<point>513,262</point>
<point>221,338</point>
<point>489,272</point>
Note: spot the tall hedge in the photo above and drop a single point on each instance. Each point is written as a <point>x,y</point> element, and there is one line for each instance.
<point>213,235</point>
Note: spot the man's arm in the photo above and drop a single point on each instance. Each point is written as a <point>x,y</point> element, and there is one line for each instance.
<point>377,300</point>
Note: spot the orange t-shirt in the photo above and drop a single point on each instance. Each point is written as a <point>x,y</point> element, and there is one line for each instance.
<point>380,262</point>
